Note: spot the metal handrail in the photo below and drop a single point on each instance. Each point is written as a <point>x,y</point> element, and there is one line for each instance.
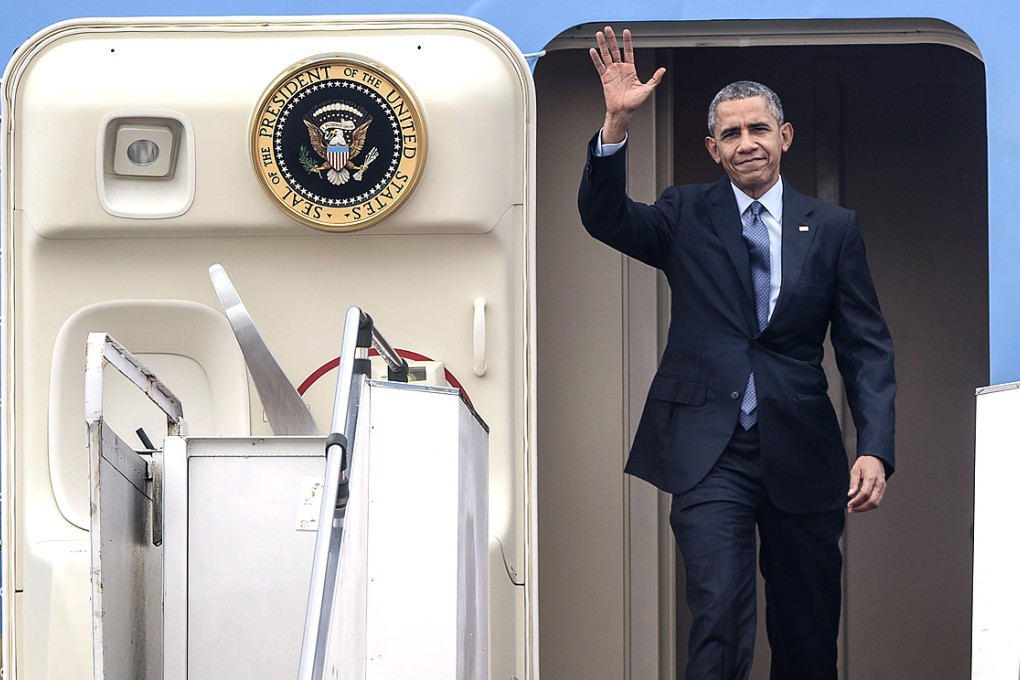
<point>396,365</point>
<point>359,335</point>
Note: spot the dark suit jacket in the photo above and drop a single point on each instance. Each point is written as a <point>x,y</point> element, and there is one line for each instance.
<point>693,233</point>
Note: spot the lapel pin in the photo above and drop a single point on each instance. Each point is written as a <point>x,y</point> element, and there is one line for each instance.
<point>804,227</point>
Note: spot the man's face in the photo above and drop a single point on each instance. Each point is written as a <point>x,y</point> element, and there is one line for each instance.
<point>747,142</point>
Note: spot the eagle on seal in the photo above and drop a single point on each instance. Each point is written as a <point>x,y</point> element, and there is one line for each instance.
<point>332,143</point>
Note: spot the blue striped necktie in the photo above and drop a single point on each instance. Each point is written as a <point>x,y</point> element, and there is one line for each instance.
<point>757,237</point>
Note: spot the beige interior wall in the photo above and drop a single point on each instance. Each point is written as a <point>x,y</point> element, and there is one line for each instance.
<point>581,431</point>
<point>600,539</point>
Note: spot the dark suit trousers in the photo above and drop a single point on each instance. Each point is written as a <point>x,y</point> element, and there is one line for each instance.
<point>800,560</point>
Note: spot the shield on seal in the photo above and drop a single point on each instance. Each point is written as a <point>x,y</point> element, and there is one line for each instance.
<point>337,156</point>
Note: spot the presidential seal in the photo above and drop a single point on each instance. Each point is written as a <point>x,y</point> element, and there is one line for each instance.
<point>338,142</point>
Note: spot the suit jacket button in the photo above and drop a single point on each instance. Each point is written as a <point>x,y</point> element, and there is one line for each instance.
<point>735,395</point>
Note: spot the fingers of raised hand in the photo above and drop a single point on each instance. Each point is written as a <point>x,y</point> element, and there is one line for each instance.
<point>609,48</point>
<point>614,46</point>
<point>628,47</point>
<point>653,82</point>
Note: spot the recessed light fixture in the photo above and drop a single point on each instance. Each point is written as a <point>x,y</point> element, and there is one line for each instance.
<point>143,151</point>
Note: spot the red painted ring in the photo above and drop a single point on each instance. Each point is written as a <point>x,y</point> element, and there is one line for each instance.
<point>406,354</point>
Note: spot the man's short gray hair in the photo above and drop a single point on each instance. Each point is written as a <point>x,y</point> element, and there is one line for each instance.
<point>745,89</point>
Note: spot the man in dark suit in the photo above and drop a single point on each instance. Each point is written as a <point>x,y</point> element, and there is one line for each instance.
<point>738,425</point>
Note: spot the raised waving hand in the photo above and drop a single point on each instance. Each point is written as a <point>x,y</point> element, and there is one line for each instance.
<point>623,90</point>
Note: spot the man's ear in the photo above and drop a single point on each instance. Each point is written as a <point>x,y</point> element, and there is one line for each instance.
<point>786,132</point>
<point>713,148</point>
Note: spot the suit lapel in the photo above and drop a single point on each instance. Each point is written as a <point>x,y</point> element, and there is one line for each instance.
<point>725,218</point>
<point>798,232</point>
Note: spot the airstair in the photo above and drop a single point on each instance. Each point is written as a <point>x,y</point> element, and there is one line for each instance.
<point>359,554</point>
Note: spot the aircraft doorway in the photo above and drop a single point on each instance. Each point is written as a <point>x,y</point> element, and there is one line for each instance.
<point>894,131</point>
